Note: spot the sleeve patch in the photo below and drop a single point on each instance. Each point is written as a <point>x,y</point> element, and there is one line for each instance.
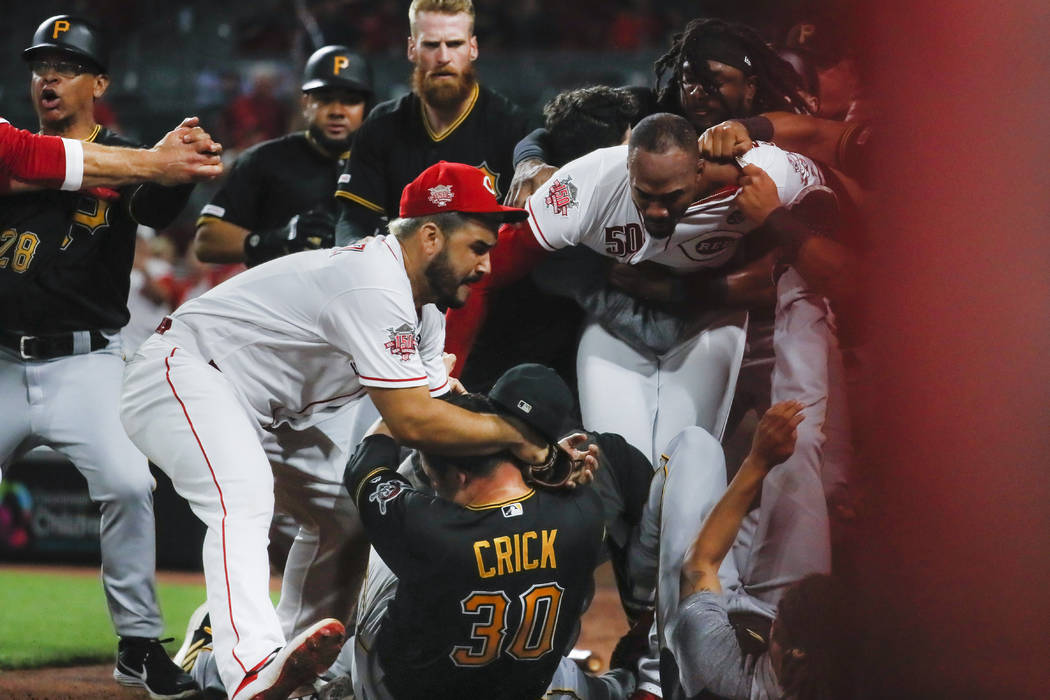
<point>213,210</point>
<point>385,492</point>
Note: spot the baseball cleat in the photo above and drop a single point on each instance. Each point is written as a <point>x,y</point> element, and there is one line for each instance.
<point>196,640</point>
<point>300,661</point>
<point>143,663</point>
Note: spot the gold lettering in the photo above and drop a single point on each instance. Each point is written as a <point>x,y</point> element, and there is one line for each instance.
<point>483,572</point>
<point>60,26</point>
<point>341,63</point>
<point>517,552</point>
<point>502,545</point>
<point>527,563</point>
<point>548,550</point>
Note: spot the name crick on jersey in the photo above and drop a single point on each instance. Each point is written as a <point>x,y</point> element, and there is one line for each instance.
<point>518,552</point>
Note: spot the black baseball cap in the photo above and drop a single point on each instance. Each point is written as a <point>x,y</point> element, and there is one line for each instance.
<point>537,396</point>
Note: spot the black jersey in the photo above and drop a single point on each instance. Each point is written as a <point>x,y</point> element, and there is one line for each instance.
<point>65,257</point>
<point>273,181</point>
<point>488,597</point>
<point>395,143</point>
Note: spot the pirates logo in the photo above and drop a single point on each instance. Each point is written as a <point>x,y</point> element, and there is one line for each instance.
<point>440,195</point>
<point>384,493</point>
<point>402,341</point>
<point>561,196</point>
<point>492,177</point>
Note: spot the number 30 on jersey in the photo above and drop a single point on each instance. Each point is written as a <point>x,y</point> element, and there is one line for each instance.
<point>535,631</point>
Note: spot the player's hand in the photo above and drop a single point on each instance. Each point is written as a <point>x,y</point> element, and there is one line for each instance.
<point>187,153</point>
<point>533,448</point>
<point>529,176</point>
<point>724,141</point>
<point>454,385</point>
<point>646,280</point>
<point>758,196</point>
<point>583,463</point>
<point>776,433</point>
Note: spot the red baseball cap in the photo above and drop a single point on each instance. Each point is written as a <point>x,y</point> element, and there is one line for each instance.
<point>446,187</point>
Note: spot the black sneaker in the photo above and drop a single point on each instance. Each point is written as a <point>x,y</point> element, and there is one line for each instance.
<point>143,663</point>
<point>196,640</point>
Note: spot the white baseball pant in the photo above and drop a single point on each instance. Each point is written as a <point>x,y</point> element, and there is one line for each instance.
<point>648,399</point>
<point>190,420</point>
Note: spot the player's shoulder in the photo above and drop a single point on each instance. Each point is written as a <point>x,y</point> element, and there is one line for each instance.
<point>497,103</point>
<point>386,112</point>
<point>378,262</point>
<point>784,167</point>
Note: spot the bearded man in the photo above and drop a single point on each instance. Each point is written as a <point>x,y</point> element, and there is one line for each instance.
<point>448,116</point>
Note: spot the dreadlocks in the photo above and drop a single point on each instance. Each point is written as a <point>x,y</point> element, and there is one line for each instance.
<point>778,87</point>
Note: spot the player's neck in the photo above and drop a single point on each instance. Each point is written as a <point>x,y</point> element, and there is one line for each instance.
<point>76,126</point>
<point>502,485</point>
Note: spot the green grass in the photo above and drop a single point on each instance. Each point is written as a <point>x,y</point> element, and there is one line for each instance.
<point>60,620</point>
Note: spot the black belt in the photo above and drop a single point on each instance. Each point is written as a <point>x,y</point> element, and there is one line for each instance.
<point>52,345</point>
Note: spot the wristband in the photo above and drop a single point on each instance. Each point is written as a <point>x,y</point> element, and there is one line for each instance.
<point>759,128</point>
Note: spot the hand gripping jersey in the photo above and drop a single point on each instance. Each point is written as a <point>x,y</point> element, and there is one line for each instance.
<point>302,335</point>
<point>488,596</point>
<point>588,202</point>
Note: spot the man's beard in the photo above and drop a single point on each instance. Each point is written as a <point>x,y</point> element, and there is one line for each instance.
<point>333,146</point>
<point>444,283</point>
<point>443,95</point>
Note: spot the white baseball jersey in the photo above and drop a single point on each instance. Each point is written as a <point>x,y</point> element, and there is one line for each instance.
<point>304,334</point>
<point>588,202</point>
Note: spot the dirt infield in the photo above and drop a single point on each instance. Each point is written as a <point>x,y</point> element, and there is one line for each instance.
<point>603,624</point>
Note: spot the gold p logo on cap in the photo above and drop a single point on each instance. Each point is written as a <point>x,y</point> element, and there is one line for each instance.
<point>341,62</point>
<point>60,26</point>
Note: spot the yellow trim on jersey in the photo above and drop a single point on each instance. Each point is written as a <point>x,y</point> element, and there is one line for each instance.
<point>486,506</point>
<point>201,220</point>
<point>94,134</point>
<point>435,137</point>
<point>361,200</point>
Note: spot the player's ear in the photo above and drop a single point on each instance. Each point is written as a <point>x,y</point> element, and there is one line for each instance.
<point>473,48</point>
<point>101,83</point>
<point>432,238</point>
<point>411,50</point>
<point>750,88</point>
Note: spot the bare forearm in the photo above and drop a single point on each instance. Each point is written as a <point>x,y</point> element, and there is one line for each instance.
<point>429,424</point>
<point>219,242</point>
<point>112,166</point>
<point>719,531</point>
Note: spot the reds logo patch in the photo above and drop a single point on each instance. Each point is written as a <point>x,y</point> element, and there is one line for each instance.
<point>402,341</point>
<point>384,493</point>
<point>561,196</point>
<point>440,195</point>
<point>715,248</point>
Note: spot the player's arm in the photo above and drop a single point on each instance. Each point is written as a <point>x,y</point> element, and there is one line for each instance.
<point>531,168</point>
<point>361,202</point>
<point>823,262</point>
<point>843,145</point>
<point>774,442</point>
<point>417,420</point>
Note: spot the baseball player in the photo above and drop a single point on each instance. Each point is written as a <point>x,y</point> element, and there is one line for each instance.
<point>488,577</point>
<point>278,197</point>
<point>449,116</point>
<point>655,200</point>
<point>739,572</point>
<point>65,259</point>
<point>285,345</point>
<point>185,154</point>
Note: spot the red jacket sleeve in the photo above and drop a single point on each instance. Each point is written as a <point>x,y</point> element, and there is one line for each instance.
<point>30,157</point>
<point>513,257</point>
